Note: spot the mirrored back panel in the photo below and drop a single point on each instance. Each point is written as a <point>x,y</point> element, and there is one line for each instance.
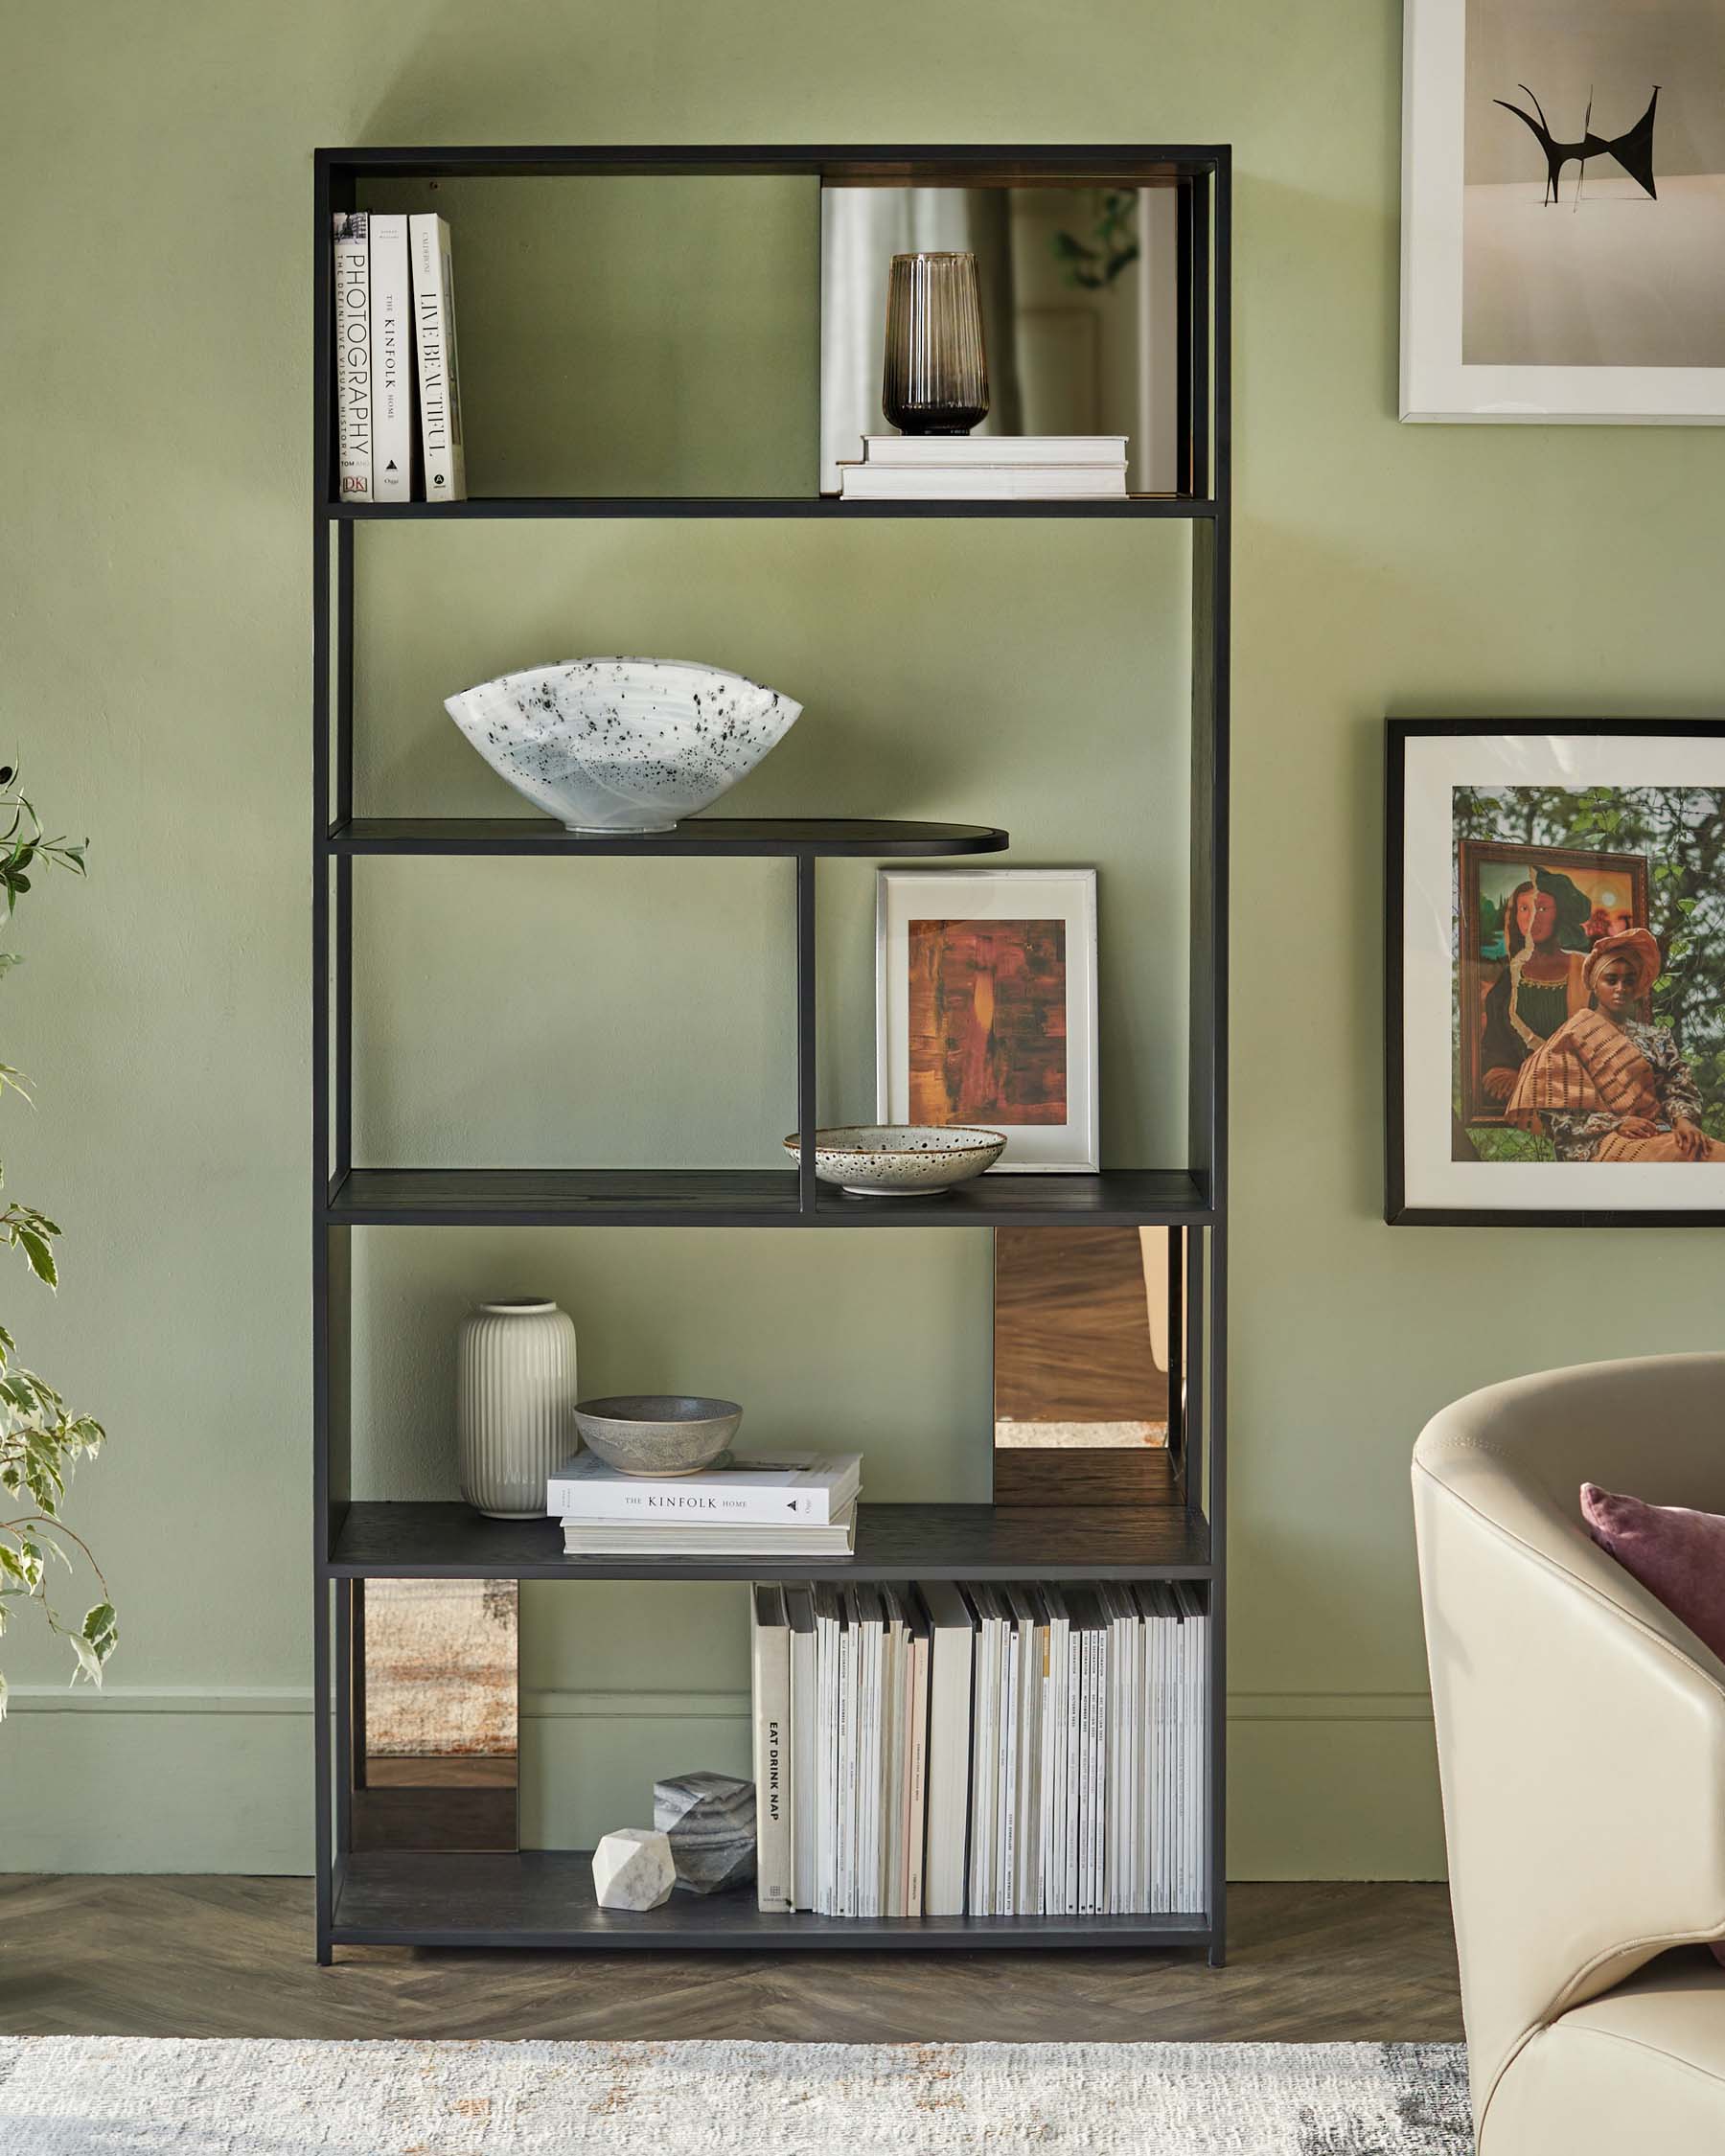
<point>1079,290</point>
<point>436,1714</point>
<point>1087,1360</point>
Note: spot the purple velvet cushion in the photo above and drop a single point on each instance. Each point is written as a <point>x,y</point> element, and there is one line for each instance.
<point>1677,1554</point>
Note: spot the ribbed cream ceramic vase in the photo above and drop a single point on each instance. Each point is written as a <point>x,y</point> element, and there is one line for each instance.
<point>514,1385</point>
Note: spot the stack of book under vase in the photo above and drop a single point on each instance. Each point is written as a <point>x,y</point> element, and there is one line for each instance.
<point>989,468</point>
<point>787,1505</point>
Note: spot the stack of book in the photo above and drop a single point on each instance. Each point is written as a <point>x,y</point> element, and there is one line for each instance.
<point>397,387</point>
<point>989,468</point>
<point>787,1506</point>
<point>984,1750</point>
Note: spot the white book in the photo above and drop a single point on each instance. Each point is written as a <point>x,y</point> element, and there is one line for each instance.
<point>867,482</point>
<point>1056,1713</point>
<point>1085,1904</point>
<point>1132,1744</point>
<point>392,358</point>
<point>952,1635</point>
<point>1150,1595</point>
<point>1119,1743</point>
<point>1182,1786</point>
<point>916,1781</point>
<point>1195,1836</point>
<point>994,448</point>
<point>893,1654</point>
<point>1164,1704</point>
<point>1080,1769</point>
<point>850,1670</point>
<point>805,1742</point>
<point>770,1670</point>
<point>985,1720</point>
<point>1151,1763</point>
<point>353,383</point>
<point>1110,1885</point>
<point>1197,1750</point>
<point>623,1538</point>
<point>1007,1854</point>
<point>829,1657</point>
<point>869,1757</point>
<point>1032,1626</point>
<point>778,1489</point>
<point>1072,1775</point>
<point>443,455</point>
<point>1099,1760</point>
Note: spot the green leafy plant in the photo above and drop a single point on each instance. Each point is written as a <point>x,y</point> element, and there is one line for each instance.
<point>1093,261</point>
<point>41,1439</point>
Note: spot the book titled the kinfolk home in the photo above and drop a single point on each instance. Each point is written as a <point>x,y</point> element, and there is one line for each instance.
<point>391,359</point>
<point>353,353</point>
<point>439,370</point>
<point>788,1489</point>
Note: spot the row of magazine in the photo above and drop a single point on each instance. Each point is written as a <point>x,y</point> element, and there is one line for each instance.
<point>983,1749</point>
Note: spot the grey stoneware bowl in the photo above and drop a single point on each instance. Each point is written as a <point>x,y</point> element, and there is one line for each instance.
<point>902,1160</point>
<point>658,1434</point>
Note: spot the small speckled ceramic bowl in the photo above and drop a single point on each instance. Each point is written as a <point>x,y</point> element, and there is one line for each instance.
<point>900,1159</point>
<point>658,1433</point>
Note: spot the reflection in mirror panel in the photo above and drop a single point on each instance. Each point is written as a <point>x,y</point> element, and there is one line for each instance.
<point>1087,1324</point>
<point>436,1714</point>
<point>1080,312</point>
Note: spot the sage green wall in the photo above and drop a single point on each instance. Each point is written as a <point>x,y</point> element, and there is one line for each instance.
<point>156,459</point>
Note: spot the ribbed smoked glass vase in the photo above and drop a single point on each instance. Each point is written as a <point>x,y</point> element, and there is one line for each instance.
<point>514,1385</point>
<point>935,376</point>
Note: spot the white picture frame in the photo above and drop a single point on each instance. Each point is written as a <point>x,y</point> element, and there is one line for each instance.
<point>904,896</point>
<point>1429,761</point>
<point>1450,231</point>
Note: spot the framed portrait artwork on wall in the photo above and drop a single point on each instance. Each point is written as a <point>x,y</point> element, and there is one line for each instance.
<point>1563,211</point>
<point>1555,998</point>
<point>986,986</point>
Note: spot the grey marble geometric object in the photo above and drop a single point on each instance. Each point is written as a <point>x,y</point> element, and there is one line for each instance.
<point>632,1868</point>
<point>710,1820</point>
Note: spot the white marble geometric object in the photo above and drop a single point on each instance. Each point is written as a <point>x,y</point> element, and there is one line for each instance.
<point>632,1868</point>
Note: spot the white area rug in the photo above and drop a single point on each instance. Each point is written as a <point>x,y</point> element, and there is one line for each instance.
<point>73,2096</point>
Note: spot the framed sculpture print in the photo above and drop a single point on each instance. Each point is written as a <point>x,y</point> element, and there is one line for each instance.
<point>1563,211</point>
<point>1555,1006</point>
<point>985,985</point>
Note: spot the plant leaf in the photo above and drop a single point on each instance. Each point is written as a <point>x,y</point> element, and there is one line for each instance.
<point>40,1256</point>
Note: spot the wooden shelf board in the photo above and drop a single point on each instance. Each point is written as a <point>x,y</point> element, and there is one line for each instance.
<point>967,164</point>
<point>894,1542</point>
<point>1190,507</point>
<point>544,1898</point>
<point>866,837</point>
<point>746,1198</point>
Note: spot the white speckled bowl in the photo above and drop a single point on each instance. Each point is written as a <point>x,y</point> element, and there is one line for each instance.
<point>623,745</point>
<point>900,1159</point>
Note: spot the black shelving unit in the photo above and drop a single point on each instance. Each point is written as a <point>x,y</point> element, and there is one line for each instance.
<point>544,1898</point>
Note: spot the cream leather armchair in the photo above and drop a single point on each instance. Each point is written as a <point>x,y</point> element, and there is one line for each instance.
<point>1581,1742</point>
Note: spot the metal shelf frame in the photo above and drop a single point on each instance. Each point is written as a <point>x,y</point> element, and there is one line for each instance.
<point>538,1898</point>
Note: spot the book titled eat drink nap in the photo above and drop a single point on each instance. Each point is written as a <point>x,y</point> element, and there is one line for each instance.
<point>807,1490</point>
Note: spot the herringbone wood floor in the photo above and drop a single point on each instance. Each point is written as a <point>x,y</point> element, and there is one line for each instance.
<point>231,1957</point>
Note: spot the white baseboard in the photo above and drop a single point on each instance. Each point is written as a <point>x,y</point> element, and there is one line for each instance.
<point>1321,1785</point>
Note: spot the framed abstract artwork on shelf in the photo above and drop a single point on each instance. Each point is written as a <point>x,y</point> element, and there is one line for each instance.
<point>986,986</point>
<point>1556,993</point>
<point>1563,211</point>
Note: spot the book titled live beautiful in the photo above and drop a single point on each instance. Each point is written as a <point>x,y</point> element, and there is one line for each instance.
<point>781,1489</point>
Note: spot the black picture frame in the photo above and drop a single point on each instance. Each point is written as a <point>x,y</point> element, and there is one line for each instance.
<point>1397,1212</point>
